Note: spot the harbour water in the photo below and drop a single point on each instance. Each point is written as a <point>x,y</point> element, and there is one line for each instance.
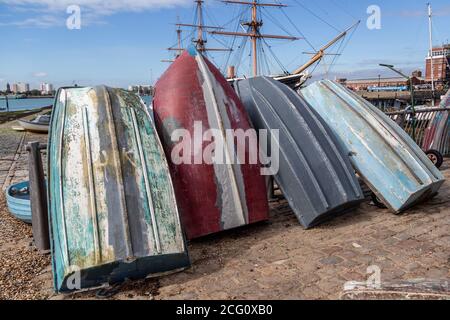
<point>30,104</point>
<point>25,104</point>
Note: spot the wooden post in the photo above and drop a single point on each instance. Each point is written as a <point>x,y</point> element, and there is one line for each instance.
<point>7,102</point>
<point>38,195</point>
<point>254,38</point>
<point>270,189</point>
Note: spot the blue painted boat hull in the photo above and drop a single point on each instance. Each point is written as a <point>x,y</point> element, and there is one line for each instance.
<point>389,161</point>
<point>19,207</point>
<point>112,207</point>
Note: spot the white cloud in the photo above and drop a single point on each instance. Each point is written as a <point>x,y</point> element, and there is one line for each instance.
<point>43,21</point>
<point>39,74</point>
<point>52,13</point>
<point>437,12</point>
<point>100,6</point>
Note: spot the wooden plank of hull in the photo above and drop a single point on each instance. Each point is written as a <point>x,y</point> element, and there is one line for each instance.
<point>112,206</point>
<point>389,161</point>
<point>212,197</point>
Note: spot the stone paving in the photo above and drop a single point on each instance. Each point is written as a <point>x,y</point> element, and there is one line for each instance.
<point>273,260</point>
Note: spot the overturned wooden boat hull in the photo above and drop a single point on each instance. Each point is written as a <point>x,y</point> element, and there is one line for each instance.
<point>315,174</point>
<point>33,127</point>
<point>389,161</point>
<point>213,197</point>
<point>113,213</point>
<point>19,205</point>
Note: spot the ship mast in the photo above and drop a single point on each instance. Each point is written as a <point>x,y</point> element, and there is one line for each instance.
<point>254,28</point>
<point>200,41</point>
<point>179,47</point>
<point>430,24</point>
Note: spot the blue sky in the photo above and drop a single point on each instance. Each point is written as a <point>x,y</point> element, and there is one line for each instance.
<point>122,42</point>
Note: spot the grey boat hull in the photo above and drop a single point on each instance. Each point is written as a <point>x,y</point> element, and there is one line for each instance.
<point>315,174</point>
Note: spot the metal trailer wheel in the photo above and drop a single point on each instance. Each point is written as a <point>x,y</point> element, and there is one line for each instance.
<point>435,157</point>
<point>378,203</point>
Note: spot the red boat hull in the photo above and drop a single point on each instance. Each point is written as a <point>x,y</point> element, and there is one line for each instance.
<point>212,197</point>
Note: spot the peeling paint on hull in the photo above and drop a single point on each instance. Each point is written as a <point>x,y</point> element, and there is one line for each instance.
<point>315,174</point>
<point>389,161</point>
<point>212,197</point>
<point>113,213</point>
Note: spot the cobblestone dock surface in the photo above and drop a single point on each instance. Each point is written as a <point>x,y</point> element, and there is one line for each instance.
<point>273,260</point>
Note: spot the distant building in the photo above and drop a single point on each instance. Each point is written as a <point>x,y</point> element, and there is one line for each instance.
<point>46,88</point>
<point>441,65</point>
<point>14,88</point>
<point>8,88</point>
<point>141,89</point>
<point>417,73</point>
<point>365,84</point>
<point>22,87</point>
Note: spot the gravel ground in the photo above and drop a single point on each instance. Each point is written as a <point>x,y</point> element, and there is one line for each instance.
<point>272,260</point>
<point>21,266</point>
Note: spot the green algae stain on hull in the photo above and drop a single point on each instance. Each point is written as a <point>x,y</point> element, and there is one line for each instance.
<point>113,212</point>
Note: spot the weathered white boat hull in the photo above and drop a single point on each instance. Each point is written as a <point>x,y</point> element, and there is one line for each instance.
<point>34,127</point>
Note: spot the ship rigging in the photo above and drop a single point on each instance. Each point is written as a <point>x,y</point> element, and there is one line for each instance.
<point>251,31</point>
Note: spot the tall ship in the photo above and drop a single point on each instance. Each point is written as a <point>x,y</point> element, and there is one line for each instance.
<point>247,37</point>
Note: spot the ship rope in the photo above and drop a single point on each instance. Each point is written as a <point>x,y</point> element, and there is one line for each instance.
<point>343,45</point>
<point>270,61</point>
<point>317,16</point>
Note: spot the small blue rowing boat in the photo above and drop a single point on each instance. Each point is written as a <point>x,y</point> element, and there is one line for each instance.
<point>18,200</point>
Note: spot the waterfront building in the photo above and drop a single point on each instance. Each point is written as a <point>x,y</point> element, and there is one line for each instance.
<point>441,65</point>
<point>14,88</point>
<point>46,88</point>
<point>366,84</point>
<point>141,89</point>
<point>23,87</point>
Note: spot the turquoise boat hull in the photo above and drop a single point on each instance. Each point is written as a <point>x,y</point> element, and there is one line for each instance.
<point>389,161</point>
<point>19,206</point>
<point>113,213</point>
